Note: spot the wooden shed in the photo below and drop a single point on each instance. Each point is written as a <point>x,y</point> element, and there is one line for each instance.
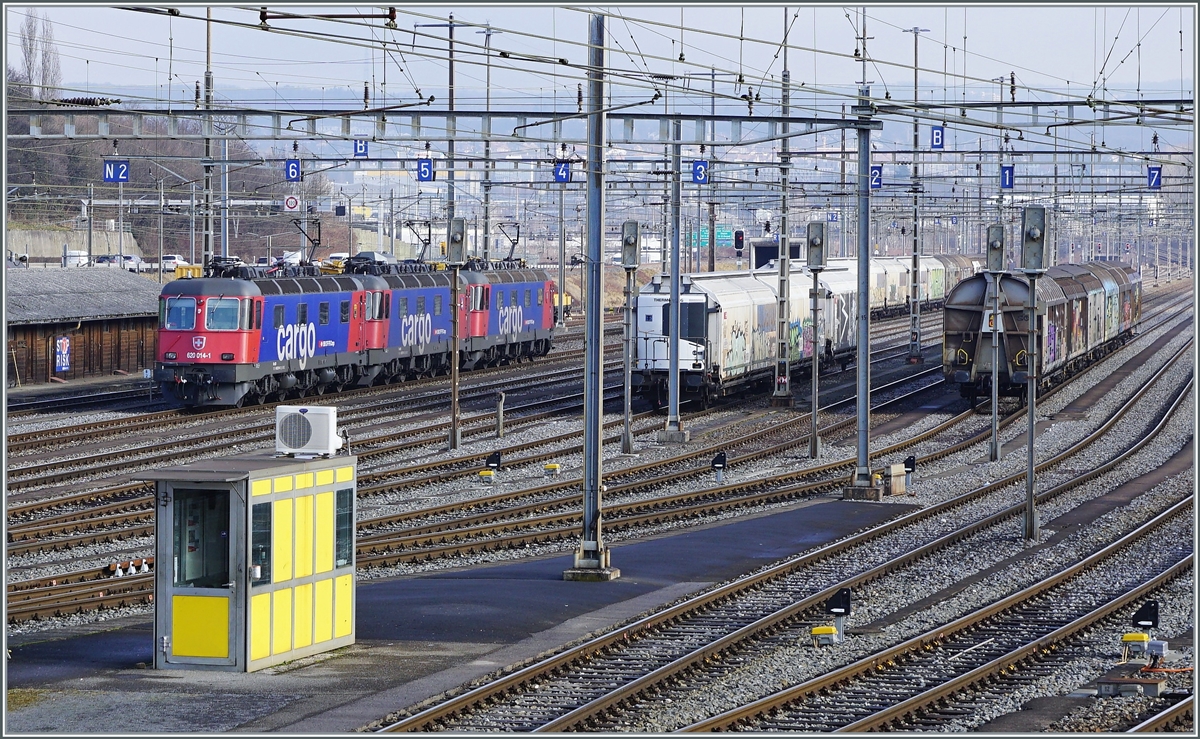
<point>68,324</point>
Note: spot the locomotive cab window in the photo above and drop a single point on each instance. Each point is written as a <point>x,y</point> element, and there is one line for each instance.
<point>221,314</point>
<point>178,314</point>
<point>323,314</point>
<point>279,316</point>
<point>527,299</point>
<point>403,306</point>
<point>478,298</point>
<point>515,298</point>
<point>247,316</point>
<point>420,306</point>
<point>541,295</point>
<point>437,305</point>
<point>345,311</point>
<point>302,313</point>
<point>258,314</point>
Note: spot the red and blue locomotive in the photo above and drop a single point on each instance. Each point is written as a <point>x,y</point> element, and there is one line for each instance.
<point>239,336</point>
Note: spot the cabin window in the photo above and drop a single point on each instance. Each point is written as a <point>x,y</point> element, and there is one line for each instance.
<point>345,311</point>
<point>403,306</point>
<point>437,305</point>
<point>247,317</point>
<point>180,314</point>
<point>221,314</point>
<point>344,528</point>
<point>302,313</point>
<point>279,316</point>
<point>528,299</point>
<point>541,295</point>
<point>323,314</point>
<point>421,306</point>
<point>258,314</point>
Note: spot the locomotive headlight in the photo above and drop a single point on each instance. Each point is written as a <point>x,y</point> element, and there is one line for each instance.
<point>169,355</point>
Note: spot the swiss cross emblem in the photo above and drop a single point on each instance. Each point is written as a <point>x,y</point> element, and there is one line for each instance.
<point>198,342</point>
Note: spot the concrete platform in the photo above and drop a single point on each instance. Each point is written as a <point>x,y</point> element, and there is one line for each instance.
<point>417,636</point>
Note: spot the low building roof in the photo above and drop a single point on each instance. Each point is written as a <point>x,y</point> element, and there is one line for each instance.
<point>55,295</point>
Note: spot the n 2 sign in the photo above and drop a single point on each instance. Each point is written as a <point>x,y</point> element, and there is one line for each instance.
<point>562,171</point>
<point>832,216</point>
<point>937,137</point>
<point>1006,177</point>
<point>699,172</point>
<point>876,176</point>
<point>360,148</point>
<point>116,170</point>
<point>291,170</point>
<point>1154,178</point>
<point>424,170</point>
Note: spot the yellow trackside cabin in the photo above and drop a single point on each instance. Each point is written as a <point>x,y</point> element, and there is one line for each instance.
<point>257,561</point>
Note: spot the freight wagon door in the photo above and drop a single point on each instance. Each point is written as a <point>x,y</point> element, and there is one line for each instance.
<point>197,613</point>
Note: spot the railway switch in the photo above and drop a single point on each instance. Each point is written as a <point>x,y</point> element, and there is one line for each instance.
<point>1134,645</point>
<point>824,636</point>
<point>256,558</point>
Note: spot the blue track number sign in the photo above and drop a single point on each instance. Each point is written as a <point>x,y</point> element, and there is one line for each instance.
<point>876,176</point>
<point>291,170</point>
<point>562,171</point>
<point>424,170</point>
<point>937,137</point>
<point>360,148</point>
<point>116,170</point>
<point>1006,177</point>
<point>832,216</point>
<point>1154,177</point>
<point>700,172</point>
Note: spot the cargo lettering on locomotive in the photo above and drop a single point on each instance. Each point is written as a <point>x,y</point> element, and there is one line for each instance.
<point>416,329</point>
<point>512,319</point>
<point>296,341</point>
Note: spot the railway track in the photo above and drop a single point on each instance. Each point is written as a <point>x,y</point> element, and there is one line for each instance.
<point>474,533</point>
<point>574,689</point>
<point>636,514</point>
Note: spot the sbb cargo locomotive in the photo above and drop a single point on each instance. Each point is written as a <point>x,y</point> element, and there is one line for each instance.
<point>237,336</point>
<point>728,324</point>
<point>1084,311</point>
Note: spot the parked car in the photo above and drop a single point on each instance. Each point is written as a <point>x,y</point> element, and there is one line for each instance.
<point>171,261</point>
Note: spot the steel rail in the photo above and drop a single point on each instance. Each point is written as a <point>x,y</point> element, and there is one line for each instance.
<point>1182,713</point>
<point>425,718</point>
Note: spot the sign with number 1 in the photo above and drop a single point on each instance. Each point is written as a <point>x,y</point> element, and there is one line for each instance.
<point>1006,177</point>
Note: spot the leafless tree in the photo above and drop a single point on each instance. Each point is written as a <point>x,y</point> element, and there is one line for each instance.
<point>51,73</point>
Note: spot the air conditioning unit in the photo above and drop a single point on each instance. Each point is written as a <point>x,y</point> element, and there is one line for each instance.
<point>304,430</point>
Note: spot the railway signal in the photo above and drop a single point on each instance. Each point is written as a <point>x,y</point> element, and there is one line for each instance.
<point>816,263</point>
<point>739,242</point>
<point>631,236</point>
<point>719,464</point>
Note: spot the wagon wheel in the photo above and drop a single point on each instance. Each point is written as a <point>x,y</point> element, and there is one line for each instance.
<point>705,398</point>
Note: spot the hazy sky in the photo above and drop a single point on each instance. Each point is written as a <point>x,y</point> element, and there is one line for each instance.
<point>1046,47</point>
